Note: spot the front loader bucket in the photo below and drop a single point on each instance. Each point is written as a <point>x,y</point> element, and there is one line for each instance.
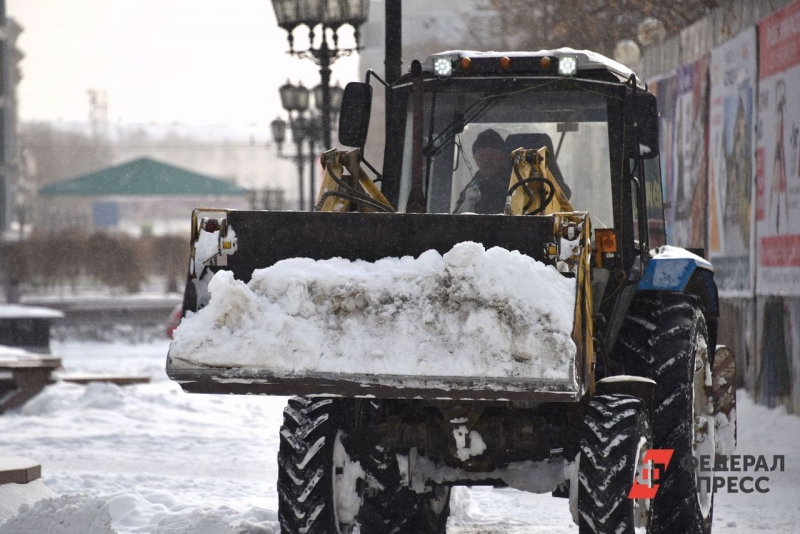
<point>224,353</point>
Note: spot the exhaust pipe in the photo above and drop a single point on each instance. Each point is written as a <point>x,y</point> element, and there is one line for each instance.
<point>393,48</point>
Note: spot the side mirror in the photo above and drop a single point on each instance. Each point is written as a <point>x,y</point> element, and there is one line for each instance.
<point>641,125</point>
<point>354,114</point>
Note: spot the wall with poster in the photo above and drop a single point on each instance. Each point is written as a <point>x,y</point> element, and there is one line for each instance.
<point>732,163</point>
<point>719,26</point>
<point>776,371</point>
<point>686,189</point>
<point>778,155</point>
<point>737,330</point>
<point>666,90</point>
<point>749,189</point>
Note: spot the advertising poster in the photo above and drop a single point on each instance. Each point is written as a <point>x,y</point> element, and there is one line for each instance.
<point>777,380</point>
<point>666,90</point>
<point>777,155</point>
<point>732,161</point>
<point>687,193</point>
<point>737,331</point>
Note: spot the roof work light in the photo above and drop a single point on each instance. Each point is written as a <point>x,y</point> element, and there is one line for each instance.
<point>567,65</point>
<point>443,66</point>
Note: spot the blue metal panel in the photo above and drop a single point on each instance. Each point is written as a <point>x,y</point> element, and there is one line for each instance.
<point>671,270</point>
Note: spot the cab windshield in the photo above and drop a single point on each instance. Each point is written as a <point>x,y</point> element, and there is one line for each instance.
<point>469,136</point>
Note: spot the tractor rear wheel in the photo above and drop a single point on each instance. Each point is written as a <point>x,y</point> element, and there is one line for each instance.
<point>665,338</point>
<point>397,509</point>
<point>616,435</point>
<point>389,505</point>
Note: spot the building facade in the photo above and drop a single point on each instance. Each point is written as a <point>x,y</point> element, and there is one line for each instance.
<point>10,75</point>
<point>248,162</point>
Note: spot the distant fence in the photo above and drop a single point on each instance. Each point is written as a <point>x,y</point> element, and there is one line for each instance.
<point>116,261</point>
<point>730,145</point>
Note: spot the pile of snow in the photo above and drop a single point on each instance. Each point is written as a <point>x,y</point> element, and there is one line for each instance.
<point>222,520</point>
<point>82,514</point>
<point>18,311</point>
<point>471,312</point>
<point>16,354</point>
<point>68,514</point>
<point>12,496</point>
<point>162,460</point>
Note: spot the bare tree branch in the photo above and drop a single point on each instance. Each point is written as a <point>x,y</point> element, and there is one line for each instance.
<point>597,25</point>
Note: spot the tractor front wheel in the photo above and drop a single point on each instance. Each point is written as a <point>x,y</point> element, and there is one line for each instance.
<point>616,436</point>
<point>665,338</point>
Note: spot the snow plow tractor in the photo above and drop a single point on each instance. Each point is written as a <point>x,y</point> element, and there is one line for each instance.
<point>498,306</point>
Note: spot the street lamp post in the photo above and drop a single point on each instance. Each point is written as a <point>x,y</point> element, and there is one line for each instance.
<point>299,132</point>
<point>278,127</point>
<point>330,15</point>
<point>318,128</point>
<point>314,137</point>
<point>295,100</point>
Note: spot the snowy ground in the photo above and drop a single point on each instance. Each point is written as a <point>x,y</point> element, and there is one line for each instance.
<point>168,462</point>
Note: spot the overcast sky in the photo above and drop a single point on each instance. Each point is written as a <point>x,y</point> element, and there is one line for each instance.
<point>190,61</point>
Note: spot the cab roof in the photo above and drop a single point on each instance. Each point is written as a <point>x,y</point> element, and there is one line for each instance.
<point>527,62</point>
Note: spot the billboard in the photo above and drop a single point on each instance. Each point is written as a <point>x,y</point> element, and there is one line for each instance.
<point>778,155</point>
<point>732,162</point>
<point>686,191</point>
<point>777,369</point>
<point>666,90</point>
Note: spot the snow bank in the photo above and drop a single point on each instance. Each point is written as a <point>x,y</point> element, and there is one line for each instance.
<point>222,520</point>
<point>81,514</point>
<point>12,496</point>
<point>97,396</point>
<point>68,514</point>
<point>18,311</point>
<point>471,312</point>
<point>16,354</point>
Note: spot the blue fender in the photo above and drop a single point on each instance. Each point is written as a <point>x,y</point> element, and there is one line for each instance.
<point>677,269</point>
<point>671,269</point>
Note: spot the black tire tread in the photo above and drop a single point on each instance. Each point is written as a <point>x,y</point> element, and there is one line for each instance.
<point>666,354</point>
<point>614,425</point>
<point>305,460</point>
<point>394,508</point>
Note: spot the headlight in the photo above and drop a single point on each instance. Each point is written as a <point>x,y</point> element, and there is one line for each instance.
<point>567,65</point>
<point>443,66</point>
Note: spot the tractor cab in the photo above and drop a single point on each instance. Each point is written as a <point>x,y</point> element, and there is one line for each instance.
<point>462,123</point>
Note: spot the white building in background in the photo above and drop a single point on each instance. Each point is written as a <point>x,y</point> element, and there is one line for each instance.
<point>10,76</point>
<point>247,160</point>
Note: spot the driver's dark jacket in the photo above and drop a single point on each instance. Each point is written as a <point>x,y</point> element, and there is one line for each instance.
<point>493,190</point>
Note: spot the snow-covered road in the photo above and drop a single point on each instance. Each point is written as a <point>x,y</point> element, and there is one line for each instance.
<point>168,462</point>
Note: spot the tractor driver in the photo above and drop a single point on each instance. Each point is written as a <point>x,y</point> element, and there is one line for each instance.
<point>486,192</point>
